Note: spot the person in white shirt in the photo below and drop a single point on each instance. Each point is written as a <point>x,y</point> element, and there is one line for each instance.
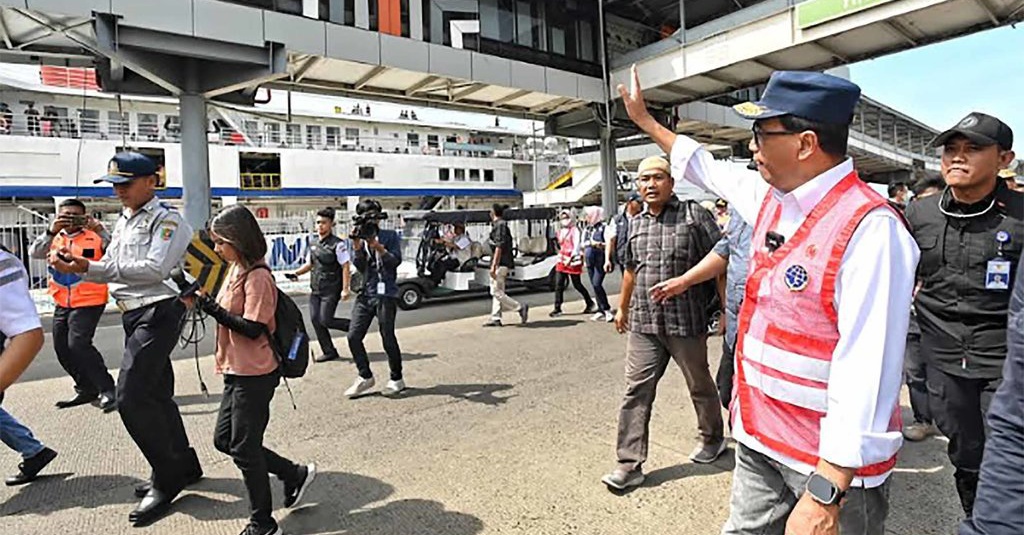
<point>19,324</point>
<point>822,332</point>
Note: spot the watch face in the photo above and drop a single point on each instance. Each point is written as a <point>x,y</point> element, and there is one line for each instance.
<point>821,488</point>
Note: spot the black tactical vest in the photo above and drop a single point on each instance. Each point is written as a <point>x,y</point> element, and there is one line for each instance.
<point>326,277</point>
<point>963,322</point>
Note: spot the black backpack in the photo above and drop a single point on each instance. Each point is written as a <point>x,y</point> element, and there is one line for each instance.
<point>289,341</point>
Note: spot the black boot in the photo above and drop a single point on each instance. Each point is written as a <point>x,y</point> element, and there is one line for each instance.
<point>967,488</point>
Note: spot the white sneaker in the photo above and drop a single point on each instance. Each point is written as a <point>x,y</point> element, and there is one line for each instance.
<point>360,387</point>
<point>598,316</point>
<point>393,388</point>
<point>609,316</point>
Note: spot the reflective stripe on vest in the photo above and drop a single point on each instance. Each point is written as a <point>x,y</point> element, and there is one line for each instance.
<point>788,328</point>
<point>69,290</point>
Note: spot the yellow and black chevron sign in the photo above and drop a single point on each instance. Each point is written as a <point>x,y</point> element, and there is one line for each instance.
<point>205,265</point>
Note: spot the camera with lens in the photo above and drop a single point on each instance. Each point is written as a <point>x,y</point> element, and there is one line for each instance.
<point>366,222</point>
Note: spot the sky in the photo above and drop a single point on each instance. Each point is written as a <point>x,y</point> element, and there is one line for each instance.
<point>940,84</point>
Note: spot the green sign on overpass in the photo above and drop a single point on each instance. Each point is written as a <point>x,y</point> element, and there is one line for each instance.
<point>814,12</point>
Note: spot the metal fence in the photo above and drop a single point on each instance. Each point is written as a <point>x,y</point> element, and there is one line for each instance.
<point>19,227</point>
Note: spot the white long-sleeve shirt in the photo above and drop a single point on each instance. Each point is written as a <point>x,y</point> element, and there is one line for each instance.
<point>872,298</point>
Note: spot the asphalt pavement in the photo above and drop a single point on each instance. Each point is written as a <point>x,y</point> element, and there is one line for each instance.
<point>109,338</point>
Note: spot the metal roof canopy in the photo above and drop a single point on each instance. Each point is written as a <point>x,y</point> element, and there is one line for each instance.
<point>743,49</point>
<point>144,45</point>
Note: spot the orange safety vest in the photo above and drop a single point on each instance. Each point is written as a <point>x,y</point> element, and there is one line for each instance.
<point>69,290</point>
<point>788,325</point>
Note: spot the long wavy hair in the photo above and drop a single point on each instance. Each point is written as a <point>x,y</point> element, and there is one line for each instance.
<point>236,225</point>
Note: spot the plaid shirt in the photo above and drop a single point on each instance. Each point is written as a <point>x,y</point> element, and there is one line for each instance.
<point>665,246</point>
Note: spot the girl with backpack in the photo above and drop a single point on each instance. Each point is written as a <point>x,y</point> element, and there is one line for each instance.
<point>244,310</point>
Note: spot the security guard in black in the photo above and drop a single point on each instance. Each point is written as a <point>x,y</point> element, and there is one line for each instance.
<point>329,282</point>
<point>970,238</point>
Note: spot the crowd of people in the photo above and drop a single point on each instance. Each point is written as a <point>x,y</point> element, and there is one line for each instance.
<point>833,296</point>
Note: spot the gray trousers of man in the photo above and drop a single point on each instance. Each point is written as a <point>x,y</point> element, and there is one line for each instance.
<point>647,357</point>
<point>764,492</point>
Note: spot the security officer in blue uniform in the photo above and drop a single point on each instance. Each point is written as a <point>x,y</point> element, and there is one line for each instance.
<point>149,240</point>
<point>970,237</point>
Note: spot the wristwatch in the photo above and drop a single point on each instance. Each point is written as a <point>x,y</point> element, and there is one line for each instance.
<point>823,491</point>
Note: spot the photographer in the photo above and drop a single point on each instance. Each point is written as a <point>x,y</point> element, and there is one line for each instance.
<point>377,254</point>
<point>329,283</point>
<point>79,305</point>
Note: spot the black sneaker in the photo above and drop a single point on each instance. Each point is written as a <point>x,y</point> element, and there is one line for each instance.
<point>29,469</point>
<point>293,490</point>
<point>554,313</point>
<point>256,529</point>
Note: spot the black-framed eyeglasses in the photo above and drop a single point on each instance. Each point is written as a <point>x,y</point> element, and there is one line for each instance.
<point>760,134</point>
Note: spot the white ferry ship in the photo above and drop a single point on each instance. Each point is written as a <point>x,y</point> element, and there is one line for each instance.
<point>288,154</point>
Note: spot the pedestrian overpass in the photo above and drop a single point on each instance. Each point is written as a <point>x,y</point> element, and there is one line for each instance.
<point>544,61</point>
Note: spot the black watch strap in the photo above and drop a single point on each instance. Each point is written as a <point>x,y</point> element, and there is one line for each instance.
<point>823,490</point>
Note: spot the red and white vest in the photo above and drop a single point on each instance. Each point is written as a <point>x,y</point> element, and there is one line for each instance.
<point>788,326</point>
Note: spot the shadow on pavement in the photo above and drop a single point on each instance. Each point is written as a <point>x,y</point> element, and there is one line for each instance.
<point>550,324</point>
<point>477,393</point>
<point>57,492</point>
<point>659,477</point>
<point>328,508</point>
<point>378,356</point>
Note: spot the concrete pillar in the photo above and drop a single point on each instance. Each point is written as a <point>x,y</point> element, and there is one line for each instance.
<point>609,175</point>
<point>195,154</point>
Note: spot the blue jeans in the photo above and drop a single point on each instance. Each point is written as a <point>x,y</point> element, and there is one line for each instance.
<point>596,272</point>
<point>18,437</point>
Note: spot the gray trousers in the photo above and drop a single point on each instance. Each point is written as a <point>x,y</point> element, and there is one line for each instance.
<point>647,357</point>
<point>764,492</point>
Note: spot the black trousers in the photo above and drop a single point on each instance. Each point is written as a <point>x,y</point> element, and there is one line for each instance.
<point>959,406</point>
<point>145,393</point>
<point>73,330</point>
<point>321,311</point>
<point>384,309</point>
<point>562,281</point>
<point>726,371</point>
<point>241,424</point>
<point>916,373</point>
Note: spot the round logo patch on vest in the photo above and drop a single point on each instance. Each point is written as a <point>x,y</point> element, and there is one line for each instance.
<point>796,278</point>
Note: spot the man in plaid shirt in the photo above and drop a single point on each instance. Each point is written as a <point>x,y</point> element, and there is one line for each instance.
<point>665,320</point>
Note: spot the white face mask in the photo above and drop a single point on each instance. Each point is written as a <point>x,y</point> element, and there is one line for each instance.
<point>564,223</point>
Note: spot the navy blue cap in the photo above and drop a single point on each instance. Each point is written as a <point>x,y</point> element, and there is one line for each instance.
<point>813,96</point>
<point>127,166</point>
<point>634,197</point>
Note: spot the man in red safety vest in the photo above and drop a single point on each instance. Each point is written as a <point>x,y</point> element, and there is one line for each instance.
<point>79,304</point>
<point>823,324</point>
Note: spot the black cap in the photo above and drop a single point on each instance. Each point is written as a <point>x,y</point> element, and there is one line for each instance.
<point>634,197</point>
<point>981,129</point>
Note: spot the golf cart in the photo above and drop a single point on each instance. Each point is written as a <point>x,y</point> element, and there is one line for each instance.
<point>437,272</point>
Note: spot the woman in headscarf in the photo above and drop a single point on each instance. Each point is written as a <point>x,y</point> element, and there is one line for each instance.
<point>570,263</point>
<point>594,256</point>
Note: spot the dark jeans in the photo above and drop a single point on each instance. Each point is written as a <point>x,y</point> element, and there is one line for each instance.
<point>241,423</point>
<point>145,393</point>
<point>321,311</point>
<point>959,406</point>
<point>916,372</point>
<point>596,273</point>
<point>73,330</point>
<point>562,281</point>
<point>384,309</point>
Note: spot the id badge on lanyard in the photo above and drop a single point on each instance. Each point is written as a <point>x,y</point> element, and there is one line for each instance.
<point>381,287</point>
<point>997,271</point>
